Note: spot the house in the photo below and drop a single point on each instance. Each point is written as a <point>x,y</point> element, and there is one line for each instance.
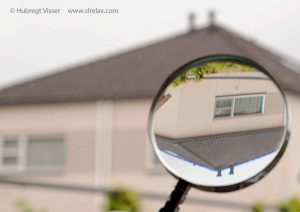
<point>87,125</point>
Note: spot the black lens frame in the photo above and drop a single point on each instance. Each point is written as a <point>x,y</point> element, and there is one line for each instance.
<point>222,58</point>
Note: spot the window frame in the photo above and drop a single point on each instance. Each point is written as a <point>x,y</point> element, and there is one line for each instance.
<point>41,168</point>
<point>231,107</point>
<point>234,97</point>
<point>22,147</point>
<point>17,153</point>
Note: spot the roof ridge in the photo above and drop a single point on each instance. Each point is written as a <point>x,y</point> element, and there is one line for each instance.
<point>127,73</point>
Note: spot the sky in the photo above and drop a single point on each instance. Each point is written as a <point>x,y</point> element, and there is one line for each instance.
<point>34,45</point>
<point>202,176</point>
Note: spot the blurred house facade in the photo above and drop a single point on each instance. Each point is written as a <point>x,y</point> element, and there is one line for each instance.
<point>88,126</point>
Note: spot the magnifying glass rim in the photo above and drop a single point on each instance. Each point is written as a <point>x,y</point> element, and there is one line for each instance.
<point>202,61</point>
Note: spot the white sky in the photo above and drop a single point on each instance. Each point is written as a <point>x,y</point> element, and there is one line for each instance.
<point>32,45</point>
<point>204,177</point>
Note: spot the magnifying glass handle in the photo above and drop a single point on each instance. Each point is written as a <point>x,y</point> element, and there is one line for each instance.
<point>177,196</point>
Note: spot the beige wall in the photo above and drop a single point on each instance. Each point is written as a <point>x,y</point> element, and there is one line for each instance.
<point>190,110</point>
<point>130,157</point>
<point>280,184</point>
<point>130,135</point>
<point>75,123</point>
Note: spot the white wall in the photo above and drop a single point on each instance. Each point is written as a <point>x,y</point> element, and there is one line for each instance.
<point>190,110</point>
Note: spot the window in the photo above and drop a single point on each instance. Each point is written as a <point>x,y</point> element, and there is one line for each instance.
<point>248,105</point>
<point>43,153</point>
<point>21,153</point>
<point>223,107</point>
<point>230,106</point>
<point>10,152</point>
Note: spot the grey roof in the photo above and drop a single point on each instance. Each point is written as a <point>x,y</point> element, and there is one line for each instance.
<point>222,151</point>
<point>139,73</point>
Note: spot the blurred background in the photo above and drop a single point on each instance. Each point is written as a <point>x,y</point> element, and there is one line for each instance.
<point>76,89</point>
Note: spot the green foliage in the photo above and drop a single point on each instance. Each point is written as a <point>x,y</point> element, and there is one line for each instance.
<point>23,206</point>
<point>258,207</point>
<point>292,205</point>
<point>122,199</point>
<point>210,68</point>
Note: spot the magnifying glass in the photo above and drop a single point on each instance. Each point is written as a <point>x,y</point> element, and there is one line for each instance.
<point>219,124</point>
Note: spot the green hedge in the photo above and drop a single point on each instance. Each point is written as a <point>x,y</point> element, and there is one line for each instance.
<point>292,205</point>
<point>122,199</point>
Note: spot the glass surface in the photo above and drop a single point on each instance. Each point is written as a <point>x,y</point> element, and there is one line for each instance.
<point>45,153</point>
<point>10,144</point>
<point>10,160</point>
<point>223,107</point>
<point>248,105</point>
<point>219,122</point>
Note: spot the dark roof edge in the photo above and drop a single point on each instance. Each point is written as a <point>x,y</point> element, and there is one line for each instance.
<point>227,29</point>
<point>97,60</point>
